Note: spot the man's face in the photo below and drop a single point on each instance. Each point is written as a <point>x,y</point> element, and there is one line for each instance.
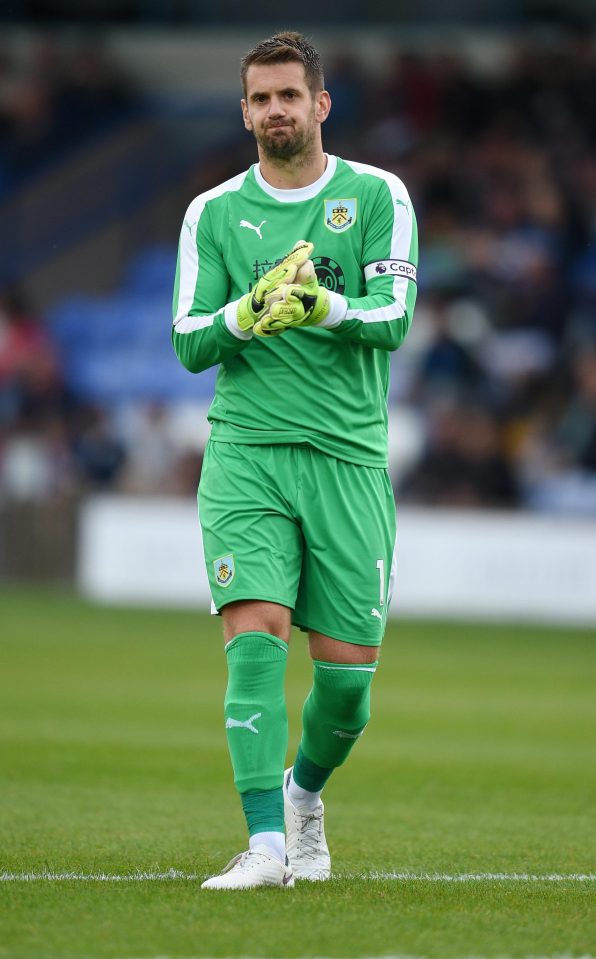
<point>281,111</point>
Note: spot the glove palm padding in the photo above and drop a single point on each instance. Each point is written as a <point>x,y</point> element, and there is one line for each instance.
<point>253,304</point>
<point>299,304</point>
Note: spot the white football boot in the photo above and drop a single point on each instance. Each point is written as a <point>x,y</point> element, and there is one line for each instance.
<point>250,869</point>
<point>306,846</point>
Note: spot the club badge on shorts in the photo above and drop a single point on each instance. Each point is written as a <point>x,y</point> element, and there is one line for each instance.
<point>340,214</point>
<point>224,570</point>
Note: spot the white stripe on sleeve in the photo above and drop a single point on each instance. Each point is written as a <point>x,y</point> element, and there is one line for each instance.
<point>401,239</point>
<point>189,257</point>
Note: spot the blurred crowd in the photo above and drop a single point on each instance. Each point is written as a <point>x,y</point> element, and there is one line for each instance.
<point>54,96</point>
<point>54,444</point>
<point>500,366</point>
<point>494,393</point>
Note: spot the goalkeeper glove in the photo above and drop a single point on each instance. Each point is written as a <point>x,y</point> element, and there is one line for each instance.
<point>252,305</point>
<point>298,304</point>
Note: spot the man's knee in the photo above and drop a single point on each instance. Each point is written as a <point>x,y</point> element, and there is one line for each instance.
<point>328,650</point>
<point>336,711</point>
<point>250,615</point>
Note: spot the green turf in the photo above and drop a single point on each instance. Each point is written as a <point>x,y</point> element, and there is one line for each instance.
<point>479,759</point>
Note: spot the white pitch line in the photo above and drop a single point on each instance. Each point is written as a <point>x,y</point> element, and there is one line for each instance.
<point>478,877</point>
<point>176,874</point>
<point>99,876</point>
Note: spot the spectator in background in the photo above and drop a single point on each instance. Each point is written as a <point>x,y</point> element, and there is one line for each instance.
<point>155,462</point>
<point>576,431</point>
<point>447,365</point>
<point>464,464</point>
<point>30,383</point>
<point>52,96</point>
<point>98,454</point>
<point>347,86</point>
<point>34,455</point>
<point>557,460</point>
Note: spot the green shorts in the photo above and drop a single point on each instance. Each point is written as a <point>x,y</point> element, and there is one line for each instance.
<point>291,525</point>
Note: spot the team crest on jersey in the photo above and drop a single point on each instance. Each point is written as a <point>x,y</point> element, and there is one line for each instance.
<point>224,570</point>
<point>340,215</point>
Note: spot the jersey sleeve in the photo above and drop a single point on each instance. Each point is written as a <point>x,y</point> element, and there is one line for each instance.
<point>205,330</point>
<point>383,316</point>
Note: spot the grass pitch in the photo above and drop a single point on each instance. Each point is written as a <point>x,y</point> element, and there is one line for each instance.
<point>478,760</point>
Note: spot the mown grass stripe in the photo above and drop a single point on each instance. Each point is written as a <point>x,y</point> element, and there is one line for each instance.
<point>553,956</point>
<point>401,956</point>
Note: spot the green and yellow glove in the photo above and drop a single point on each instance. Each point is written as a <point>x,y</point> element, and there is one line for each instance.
<point>298,304</point>
<point>252,305</point>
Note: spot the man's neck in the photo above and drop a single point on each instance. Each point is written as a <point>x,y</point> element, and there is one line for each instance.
<point>294,173</point>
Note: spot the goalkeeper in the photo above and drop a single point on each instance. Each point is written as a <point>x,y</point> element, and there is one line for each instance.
<point>295,502</point>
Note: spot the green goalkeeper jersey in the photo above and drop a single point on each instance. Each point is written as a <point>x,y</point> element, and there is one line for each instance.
<point>325,386</point>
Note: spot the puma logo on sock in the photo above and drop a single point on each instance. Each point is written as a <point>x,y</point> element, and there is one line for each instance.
<point>247,724</point>
<point>344,735</point>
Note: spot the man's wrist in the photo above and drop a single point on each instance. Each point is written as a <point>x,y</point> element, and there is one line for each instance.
<point>338,307</point>
<point>231,321</point>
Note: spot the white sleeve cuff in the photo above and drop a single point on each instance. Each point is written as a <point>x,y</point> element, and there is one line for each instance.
<point>338,307</point>
<point>231,321</point>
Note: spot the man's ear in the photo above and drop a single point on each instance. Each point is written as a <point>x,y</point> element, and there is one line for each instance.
<point>246,115</point>
<point>323,106</point>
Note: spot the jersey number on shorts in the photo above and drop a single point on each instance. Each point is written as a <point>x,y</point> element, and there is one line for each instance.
<point>381,569</point>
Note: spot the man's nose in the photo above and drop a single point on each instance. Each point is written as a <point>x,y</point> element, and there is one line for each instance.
<point>276,107</point>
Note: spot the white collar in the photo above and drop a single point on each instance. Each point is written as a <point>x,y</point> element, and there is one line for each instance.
<point>303,192</point>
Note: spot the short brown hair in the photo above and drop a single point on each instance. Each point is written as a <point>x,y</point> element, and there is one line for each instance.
<point>286,47</point>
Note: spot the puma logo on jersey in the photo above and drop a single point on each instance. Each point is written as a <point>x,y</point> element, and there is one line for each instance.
<point>251,226</point>
<point>247,724</point>
<point>375,612</point>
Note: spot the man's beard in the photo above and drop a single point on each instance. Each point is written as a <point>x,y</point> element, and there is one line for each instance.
<point>291,144</point>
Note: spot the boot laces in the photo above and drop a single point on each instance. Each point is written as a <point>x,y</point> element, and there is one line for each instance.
<point>311,825</point>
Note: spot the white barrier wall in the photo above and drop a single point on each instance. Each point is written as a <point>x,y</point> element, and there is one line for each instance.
<point>450,563</point>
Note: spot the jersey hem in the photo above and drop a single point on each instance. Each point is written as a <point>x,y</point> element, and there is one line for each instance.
<point>282,438</point>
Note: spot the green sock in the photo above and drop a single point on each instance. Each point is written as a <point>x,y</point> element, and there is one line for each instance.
<point>255,710</point>
<point>334,717</point>
<point>307,774</point>
<point>264,810</point>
